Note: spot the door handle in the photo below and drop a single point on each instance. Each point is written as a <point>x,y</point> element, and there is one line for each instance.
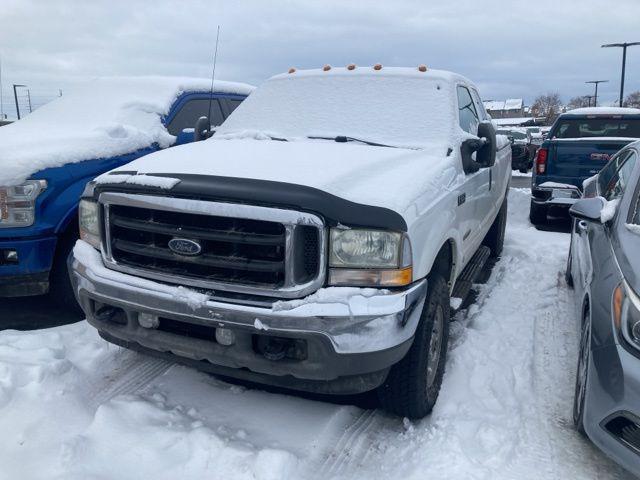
<point>582,226</point>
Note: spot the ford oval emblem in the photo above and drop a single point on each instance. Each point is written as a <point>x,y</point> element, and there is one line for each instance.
<point>184,246</point>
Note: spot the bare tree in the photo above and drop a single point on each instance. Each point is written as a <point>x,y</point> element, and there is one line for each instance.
<point>547,106</point>
<point>578,102</point>
<point>633,99</point>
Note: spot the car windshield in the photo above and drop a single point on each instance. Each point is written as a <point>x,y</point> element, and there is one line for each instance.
<point>597,127</point>
<point>392,109</point>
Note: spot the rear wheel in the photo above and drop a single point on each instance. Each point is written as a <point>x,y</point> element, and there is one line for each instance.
<point>582,375</point>
<point>495,236</point>
<point>537,214</point>
<point>413,384</point>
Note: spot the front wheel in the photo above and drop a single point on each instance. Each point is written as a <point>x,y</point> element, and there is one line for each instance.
<point>495,236</point>
<point>582,375</point>
<point>413,384</point>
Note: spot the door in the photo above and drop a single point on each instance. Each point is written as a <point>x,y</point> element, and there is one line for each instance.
<point>612,183</point>
<point>187,110</point>
<point>473,196</point>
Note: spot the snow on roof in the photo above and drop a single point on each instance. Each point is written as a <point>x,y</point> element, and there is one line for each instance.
<point>512,121</point>
<point>99,119</point>
<point>397,106</point>
<point>494,105</point>
<point>513,104</point>
<point>603,111</point>
<point>369,71</point>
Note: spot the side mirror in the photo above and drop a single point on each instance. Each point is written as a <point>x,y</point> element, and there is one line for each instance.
<point>467,149</point>
<point>202,130</point>
<point>588,209</point>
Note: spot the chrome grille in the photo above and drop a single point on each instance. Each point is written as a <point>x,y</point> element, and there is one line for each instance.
<point>243,248</point>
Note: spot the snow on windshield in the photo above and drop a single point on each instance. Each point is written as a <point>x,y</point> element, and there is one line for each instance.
<point>99,119</point>
<point>395,106</point>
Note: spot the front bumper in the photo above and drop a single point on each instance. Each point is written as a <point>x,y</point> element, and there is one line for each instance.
<point>351,336</point>
<point>612,400</point>
<point>30,274</point>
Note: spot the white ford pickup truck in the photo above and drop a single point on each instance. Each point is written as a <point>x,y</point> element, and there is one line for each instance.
<point>316,241</point>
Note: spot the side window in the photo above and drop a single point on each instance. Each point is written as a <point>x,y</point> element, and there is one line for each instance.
<point>233,104</point>
<point>608,172</point>
<point>618,183</point>
<point>479,105</point>
<point>467,114</point>
<point>191,111</point>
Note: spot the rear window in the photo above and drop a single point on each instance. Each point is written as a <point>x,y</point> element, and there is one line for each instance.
<point>597,127</point>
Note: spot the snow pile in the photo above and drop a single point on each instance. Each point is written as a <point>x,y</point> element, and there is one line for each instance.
<point>609,210</point>
<point>397,106</point>
<point>100,119</point>
<point>557,185</point>
<point>166,183</point>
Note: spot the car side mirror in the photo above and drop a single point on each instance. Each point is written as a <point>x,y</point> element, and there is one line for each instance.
<point>202,129</point>
<point>467,149</point>
<point>588,209</point>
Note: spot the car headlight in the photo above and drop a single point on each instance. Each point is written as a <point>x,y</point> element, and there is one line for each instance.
<point>375,258</point>
<point>89,222</point>
<point>18,203</point>
<point>626,314</point>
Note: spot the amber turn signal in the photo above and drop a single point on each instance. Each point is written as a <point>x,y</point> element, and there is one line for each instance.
<point>370,277</point>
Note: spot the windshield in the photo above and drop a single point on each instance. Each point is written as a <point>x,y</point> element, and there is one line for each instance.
<point>394,109</point>
<point>597,127</point>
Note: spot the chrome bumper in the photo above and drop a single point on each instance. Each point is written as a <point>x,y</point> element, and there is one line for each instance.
<point>342,321</point>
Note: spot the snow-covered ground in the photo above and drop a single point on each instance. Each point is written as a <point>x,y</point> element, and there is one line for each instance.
<point>74,407</point>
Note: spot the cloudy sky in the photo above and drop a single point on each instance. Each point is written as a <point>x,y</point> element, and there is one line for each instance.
<point>509,48</point>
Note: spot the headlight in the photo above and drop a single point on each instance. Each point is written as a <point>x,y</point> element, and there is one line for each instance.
<point>626,313</point>
<point>369,258</point>
<point>89,222</point>
<point>18,203</point>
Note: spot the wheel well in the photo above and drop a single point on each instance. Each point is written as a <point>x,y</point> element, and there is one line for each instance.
<point>445,261</point>
<point>69,234</point>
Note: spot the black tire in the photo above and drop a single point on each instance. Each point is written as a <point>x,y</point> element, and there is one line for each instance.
<point>60,288</point>
<point>537,214</point>
<point>523,169</point>
<point>495,236</point>
<point>411,388</point>
<point>582,374</point>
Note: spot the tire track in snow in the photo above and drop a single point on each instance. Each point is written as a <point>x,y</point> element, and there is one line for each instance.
<point>134,373</point>
<point>349,447</point>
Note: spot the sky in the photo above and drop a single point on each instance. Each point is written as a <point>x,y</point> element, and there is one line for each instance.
<point>510,49</point>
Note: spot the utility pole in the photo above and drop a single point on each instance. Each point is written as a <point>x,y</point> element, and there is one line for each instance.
<point>1,99</point>
<point>624,61</point>
<point>589,97</point>
<point>15,96</point>
<point>595,97</point>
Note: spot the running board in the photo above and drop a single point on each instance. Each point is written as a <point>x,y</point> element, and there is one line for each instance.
<point>465,280</point>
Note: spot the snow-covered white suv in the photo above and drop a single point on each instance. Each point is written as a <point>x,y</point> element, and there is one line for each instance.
<point>316,241</point>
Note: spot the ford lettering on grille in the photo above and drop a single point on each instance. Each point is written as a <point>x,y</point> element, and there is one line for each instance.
<point>184,246</point>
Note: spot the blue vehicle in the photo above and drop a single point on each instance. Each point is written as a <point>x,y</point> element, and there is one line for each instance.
<point>578,146</point>
<point>47,158</point>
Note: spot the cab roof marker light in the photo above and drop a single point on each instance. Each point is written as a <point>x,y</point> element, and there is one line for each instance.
<point>422,68</point>
<point>326,68</point>
<point>377,66</point>
<point>292,70</point>
<point>351,66</point>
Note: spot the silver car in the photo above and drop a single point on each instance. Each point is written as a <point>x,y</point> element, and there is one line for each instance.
<point>604,269</point>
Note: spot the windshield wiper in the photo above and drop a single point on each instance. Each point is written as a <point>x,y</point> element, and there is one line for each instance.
<point>345,139</point>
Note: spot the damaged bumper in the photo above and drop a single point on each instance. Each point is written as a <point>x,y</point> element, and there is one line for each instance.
<point>339,340</point>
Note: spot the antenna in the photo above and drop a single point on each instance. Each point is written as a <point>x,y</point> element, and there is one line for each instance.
<point>213,76</point>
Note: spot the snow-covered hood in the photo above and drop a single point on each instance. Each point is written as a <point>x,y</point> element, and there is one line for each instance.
<point>100,119</point>
<point>385,177</point>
